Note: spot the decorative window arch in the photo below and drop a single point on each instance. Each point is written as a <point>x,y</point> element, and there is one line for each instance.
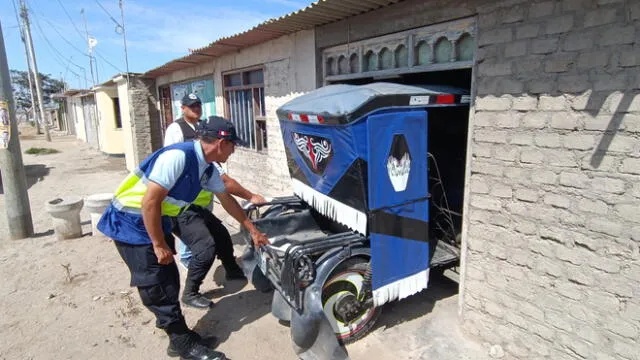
<point>402,56</point>
<point>442,50</point>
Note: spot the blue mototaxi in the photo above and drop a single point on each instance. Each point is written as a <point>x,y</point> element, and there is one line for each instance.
<point>358,232</point>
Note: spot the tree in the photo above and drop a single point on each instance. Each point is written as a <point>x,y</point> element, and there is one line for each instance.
<point>20,85</point>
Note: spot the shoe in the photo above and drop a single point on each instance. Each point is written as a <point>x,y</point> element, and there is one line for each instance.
<point>188,347</point>
<point>200,352</point>
<point>234,272</point>
<point>197,301</point>
<point>191,296</point>
<point>210,342</point>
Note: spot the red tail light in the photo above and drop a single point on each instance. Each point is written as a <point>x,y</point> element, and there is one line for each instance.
<point>445,99</point>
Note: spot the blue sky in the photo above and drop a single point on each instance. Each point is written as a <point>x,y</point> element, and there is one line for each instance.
<point>157,31</point>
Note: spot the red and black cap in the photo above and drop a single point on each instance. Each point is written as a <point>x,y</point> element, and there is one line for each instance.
<point>220,128</point>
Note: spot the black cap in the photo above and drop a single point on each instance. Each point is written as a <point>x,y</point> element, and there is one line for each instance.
<point>190,99</point>
<point>220,128</point>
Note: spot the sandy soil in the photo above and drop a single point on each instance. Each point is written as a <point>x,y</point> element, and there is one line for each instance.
<point>71,299</point>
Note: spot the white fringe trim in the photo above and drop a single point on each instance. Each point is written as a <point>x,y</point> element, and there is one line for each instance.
<point>401,289</point>
<point>331,208</point>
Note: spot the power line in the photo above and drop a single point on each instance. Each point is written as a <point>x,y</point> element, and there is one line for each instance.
<point>107,61</point>
<point>71,20</point>
<point>109,15</point>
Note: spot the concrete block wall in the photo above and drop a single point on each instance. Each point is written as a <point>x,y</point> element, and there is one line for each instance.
<point>553,262</point>
<point>147,135</point>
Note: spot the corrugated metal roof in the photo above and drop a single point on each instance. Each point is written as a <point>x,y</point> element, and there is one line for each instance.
<point>318,13</point>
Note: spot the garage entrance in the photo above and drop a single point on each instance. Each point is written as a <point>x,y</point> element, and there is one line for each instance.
<point>439,55</point>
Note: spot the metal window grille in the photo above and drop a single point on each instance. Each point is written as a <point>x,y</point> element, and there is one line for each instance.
<point>245,106</point>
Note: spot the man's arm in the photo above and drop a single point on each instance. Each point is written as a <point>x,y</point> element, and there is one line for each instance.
<point>234,188</point>
<point>232,207</point>
<point>173,135</point>
<point>152,217</point>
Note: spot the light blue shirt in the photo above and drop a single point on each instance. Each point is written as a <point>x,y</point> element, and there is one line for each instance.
<point>170,164</point>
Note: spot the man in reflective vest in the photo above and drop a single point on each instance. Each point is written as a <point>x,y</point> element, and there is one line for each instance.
<point>138,220</point>
<point>198,228</point>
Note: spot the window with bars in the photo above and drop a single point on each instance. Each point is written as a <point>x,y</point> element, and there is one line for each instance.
<point>245,107</point>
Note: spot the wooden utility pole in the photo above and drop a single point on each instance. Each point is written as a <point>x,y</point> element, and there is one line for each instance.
<point>14,182</point>
<point>34,66</point>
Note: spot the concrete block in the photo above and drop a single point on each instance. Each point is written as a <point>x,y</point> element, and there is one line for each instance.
<point>558,201</point>
<point>501,191</point>
<point>559,25</point>
<point>631,122</point>
<point>492,103</point>
<point>606,227</point>
<point>495,36</point>
<point>610,82</point>
<point>575,180</point>
<point>598,123</point>
<point>608,185</point>
<point>497,137</point>
<point>544,177</point>
<point>479,185</point>
<point>499,69</point>
<point>525,103</point>
<point>624,144</point>
<point>484,119</point>
<point>535,120</point>
<point>599,17</point>
<point>629,212</point>
<point>544,46</point>
<point>630,58</point>
<point>532,157</point>
<point>527,31</point>
<point>521,139</point>
<point>482,150</point>
<point>593,206</point>
<point>593,59</point>
<point>573,83</point>
<point>508,120</point>
<point>526,195</point>
<point>618,35</point>
<point>611,266</point>
<point>559,63</point>
<point>507,153</point>
<point>563,120</point>
<point>553,103</point>
<point>485,203</point>
<point>634,13</point>
<point>541,9</point>
<point>543,85</point>
<point>578,141</point>
<point>627,349</point>
<point>574,5</point>
<point>548,140</point>
<point>578,41</point>
<point>512,15</point>
<point>515,49</point>
<point>487,169</point>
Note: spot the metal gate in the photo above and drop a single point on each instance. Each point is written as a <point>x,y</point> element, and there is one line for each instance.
<point>90,120</point>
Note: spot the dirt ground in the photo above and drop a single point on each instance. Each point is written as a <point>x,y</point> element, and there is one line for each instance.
<point>71,299</point>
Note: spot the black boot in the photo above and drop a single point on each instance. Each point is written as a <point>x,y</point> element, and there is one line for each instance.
<point>188,348</point>
<point>192,297</point>
<point>233,271</point>
<point>210,342</point>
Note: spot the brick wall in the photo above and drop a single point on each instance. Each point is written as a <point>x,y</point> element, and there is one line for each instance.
<point>552,268</point>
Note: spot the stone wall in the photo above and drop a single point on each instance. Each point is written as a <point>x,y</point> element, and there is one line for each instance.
<point>552,268</point>
<point>147,135</point>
